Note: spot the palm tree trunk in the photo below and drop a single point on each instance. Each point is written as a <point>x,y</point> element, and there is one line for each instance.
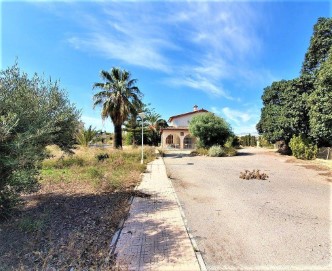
<point>117,141</point>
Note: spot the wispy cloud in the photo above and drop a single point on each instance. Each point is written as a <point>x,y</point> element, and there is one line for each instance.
<point>196,44</point>
<point>236,116</point>
<point>202,84</point>
<point>241,121</point>
<point>125,34</point>
<point>131,53</point>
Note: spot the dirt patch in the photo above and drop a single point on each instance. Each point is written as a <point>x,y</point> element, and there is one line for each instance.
<point>62,229</point>
<point>328,174</point>
<point>309,164</point>
<point>314,167</point>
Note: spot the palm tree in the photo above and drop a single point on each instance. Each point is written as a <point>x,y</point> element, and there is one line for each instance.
<point>118,97</point>
<point>155,126</point>
<point>85,136</point>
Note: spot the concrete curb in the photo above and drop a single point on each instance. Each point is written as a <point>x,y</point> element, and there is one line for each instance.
<point>198,253</point>
<point>117,234</point>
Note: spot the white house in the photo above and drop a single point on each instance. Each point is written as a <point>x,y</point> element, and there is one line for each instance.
<point>177,135</point>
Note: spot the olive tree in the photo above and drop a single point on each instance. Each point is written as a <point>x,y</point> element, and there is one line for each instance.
<point>33,114</point>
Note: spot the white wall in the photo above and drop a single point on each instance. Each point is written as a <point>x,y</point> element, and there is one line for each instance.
<point>184,120</point>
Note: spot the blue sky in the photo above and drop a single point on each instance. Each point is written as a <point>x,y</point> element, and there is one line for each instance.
<point>218,54</point>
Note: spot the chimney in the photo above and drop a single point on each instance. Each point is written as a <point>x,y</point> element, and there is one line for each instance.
<point>195,108</point>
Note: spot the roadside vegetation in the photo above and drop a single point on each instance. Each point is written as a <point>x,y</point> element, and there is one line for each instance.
<point>301,109</point>
<point>70,221</point>
<point>34,113</point>
<point>60,203</point>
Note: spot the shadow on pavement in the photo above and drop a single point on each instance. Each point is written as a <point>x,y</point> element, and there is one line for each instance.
<point>150,238</point>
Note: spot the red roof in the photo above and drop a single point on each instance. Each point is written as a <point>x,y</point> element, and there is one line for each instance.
<point>186,114</point>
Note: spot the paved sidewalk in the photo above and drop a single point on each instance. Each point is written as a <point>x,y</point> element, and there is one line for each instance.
<point>154,236</point>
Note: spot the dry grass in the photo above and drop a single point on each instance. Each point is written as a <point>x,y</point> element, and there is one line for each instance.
<point>71,220</point>
<point>327,163</point>
<point>119,171</point>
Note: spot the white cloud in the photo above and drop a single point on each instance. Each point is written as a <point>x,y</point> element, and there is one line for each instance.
<point>201,84</point>
<point>209,41</point>
<point>131,53</point>
<point>242,122</point>
<point>235,115</point>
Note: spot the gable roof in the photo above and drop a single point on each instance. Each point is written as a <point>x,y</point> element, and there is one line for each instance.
<point>186,114</point>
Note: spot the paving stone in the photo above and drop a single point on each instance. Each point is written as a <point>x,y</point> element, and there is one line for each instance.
<point>154,236</point>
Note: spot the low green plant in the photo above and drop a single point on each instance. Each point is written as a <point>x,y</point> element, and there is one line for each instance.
<point>29,224</point>
<point>94,173</point>
<point>121,169</point>
<point>229,151</point>
<point>216,151</point>
<point>64,162</point>
<point>200,151</point>
<point>302,148</point>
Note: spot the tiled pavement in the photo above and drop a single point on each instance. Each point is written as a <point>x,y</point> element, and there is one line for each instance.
<point>154,236</point>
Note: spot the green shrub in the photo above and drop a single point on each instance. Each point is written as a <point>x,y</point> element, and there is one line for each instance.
<point>34,113</point>
<point>232,141</point>
<point>230,151</point>
<point>216,151</point>
<point>263,142</point>
<point>210,129</point>
<point>302,148</point>
<point>200,151</point>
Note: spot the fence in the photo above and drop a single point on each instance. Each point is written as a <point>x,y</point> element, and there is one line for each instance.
<point>325,153</point>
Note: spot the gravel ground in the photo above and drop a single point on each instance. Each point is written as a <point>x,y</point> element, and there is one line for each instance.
<point>282,223</point>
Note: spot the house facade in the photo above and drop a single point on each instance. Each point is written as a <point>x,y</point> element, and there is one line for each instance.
<point>177,135</point>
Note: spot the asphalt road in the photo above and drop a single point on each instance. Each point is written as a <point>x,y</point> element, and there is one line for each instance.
<point>282,223</point>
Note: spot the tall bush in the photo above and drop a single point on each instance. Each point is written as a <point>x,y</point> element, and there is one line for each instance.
<point>210,129</point>
<point>34,113</point>
<point>302,148</point>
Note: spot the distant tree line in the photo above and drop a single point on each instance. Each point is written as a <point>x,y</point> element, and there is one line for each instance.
<point>248,140</point>
<point>303,106</point>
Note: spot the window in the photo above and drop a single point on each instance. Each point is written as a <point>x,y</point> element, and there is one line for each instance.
<point>169,139</point>
<point>181,133</point>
